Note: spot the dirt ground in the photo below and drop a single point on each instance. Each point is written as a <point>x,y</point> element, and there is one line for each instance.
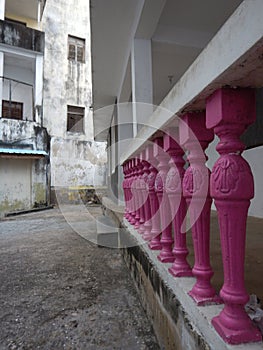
<point>60,291</point>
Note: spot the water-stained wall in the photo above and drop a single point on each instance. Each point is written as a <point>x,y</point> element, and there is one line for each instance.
<point>75,157</point>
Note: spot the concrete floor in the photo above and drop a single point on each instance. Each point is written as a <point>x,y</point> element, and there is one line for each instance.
<point>60,291</point>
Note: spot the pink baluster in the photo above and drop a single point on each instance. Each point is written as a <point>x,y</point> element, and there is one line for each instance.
<point>196,192</point>
<point>124,186</point>
<point>166,254</point>
<point>141,187</point>
<point>144,194</point>
<point>155,243</point>
<point>147,206</point>
<point>138,194</point>
<point>128,190</point>
<point>229,112</point>
<point>174,179</point>
<point>133,190</point>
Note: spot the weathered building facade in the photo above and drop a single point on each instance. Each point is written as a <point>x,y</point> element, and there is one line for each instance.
<point>24,142</point>
<point>46,125</point>
<point>76,160</point>
<point>175,86</point>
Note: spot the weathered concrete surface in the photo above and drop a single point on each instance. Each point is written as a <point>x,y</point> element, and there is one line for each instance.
<point>59,291</point>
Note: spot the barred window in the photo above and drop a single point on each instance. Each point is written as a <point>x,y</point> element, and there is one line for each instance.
<point>75,119</point>
<point>12,110</point>
<point>76,49</point>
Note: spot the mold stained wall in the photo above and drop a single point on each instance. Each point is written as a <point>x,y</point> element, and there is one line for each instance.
<point>24,182</point>
<point>76,160</point>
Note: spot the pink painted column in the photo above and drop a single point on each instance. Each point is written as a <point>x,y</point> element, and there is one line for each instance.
<point>137,195</point>
<point>196,192</point>
<point>174,179</point>
<point>133,191</point>
<point>129,166</point>
<point>147,206</point>
<point>155,243</point>
<point>144,192</point>
<point>129,190</point>
<point>124,186</point>
<point>166,254</point>
<point>229,112</point>
<point>141,194</point>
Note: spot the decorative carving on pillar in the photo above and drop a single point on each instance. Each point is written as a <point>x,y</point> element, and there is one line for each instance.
<point>229,112</point>
<point>174,178</point>
<point>142,193</point>
<point>195,137</point>
<point>155,243</point>
<point>166,254</point>
<point>125,187</point>
<point>138,194</point>
<point>133,190</point>
<point>145,229</point>
<point>129,204</point>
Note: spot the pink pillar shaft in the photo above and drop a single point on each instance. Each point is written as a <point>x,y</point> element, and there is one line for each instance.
<point>155,243</point>
<point>133,192</point>
<point>129,190</point>
<point>196,192</point>
<point>142,192</point>
<point>137,194</point>
<point>166,254</point>
<point>229,112</point>
<point>145,229</point>
<point>180,266</point>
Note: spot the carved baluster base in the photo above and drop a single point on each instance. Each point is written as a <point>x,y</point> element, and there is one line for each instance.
<point>147,230</point>
<point>203,297</point>
<point>202,292</point>
<point>166,254</point>
<point>155,243</point>
<point>180,267</point>
<point>246,334</point>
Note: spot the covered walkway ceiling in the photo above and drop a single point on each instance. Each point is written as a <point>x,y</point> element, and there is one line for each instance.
<point>179,30</point>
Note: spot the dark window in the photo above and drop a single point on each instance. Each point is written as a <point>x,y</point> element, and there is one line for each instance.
<point>12,110</point>
<point>76,49</point>
<point>75,119</point>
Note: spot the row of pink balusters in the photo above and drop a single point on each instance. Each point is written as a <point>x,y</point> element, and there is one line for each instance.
<point>158,191</point>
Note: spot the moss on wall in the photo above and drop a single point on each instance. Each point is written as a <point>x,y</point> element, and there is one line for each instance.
<point>39,194</point>
<point>7,206</point>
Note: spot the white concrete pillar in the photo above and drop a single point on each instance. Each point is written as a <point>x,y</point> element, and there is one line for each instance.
<point>125,135</point>
<point>1,80</point>
<point>142,85</point>
<point>2,9</point>
<point>38,96</point>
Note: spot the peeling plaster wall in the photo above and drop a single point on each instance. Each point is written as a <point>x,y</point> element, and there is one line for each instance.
<point>23,134</point>
<point>15,184</point>
<point>75,158</point>
<point>77,163</point>
<point>24,182</point>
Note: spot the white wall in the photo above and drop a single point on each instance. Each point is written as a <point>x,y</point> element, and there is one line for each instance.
<point>77,163</point>
<point>254,157</point>
<point>15,184</point>
<point>66,82</point>
<point>73,161</point>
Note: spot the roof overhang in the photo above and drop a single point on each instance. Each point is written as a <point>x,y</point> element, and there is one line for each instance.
<point>25,8</point>
<point>22,153</point>
<point>114,24</point>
